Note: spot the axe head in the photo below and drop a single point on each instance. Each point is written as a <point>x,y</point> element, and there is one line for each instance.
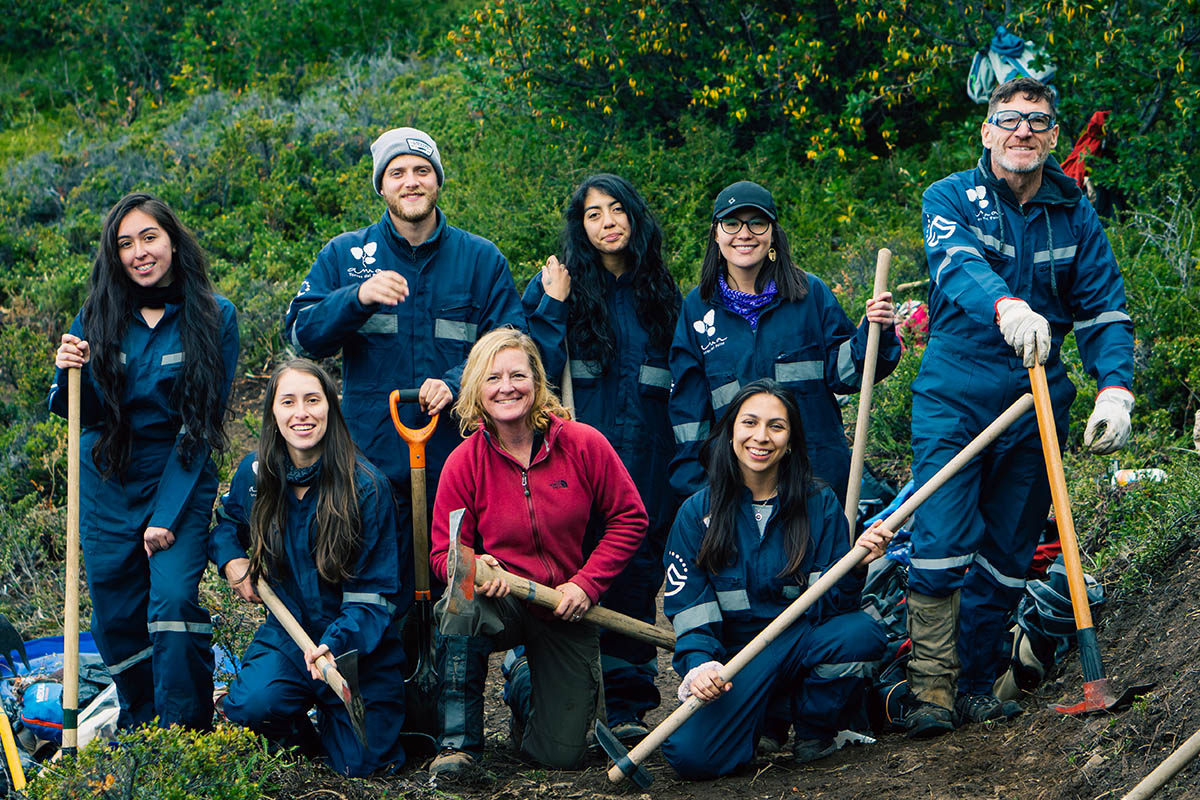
<point>10,640</point>
<point>347,665</point>
<point>461,572</point>
<point>620,756</point>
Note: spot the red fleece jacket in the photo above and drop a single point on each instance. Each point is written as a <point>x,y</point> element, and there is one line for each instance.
<point>533,520</point>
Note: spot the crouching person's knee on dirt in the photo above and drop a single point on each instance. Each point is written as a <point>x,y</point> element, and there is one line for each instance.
<point>284,525</point>
<point>522,489</point>
<point>739,553</point>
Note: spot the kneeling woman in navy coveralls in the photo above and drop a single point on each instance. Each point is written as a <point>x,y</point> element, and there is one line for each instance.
<point>740,552</point>
<point>158,350</point>
<point>318,523</point>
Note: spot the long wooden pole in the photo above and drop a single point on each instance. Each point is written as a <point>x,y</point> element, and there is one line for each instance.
<point>70,697</point>
<point>814,592</point>
<point>1166,770</point>
<point>861,428</point>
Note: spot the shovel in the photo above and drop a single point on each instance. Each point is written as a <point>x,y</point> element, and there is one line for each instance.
<point>1097,694</point>
<point>466,571</point>
<point>70,696</point>
<point>863,425</point>
<point>628,764</point>
<point>421,686</point>
<point>340,675</point>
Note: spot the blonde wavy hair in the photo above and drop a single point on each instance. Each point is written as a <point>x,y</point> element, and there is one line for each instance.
<point>469,406</point>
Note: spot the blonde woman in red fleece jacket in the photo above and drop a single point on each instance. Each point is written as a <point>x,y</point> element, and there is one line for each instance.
<point>522,490</point>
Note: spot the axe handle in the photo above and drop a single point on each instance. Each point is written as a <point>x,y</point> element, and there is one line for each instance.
<point>863,426</point>
<point>814,592</point>
<point>544,596</point>
<point>329,670</point>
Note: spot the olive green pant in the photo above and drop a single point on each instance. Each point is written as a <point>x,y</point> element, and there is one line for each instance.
<point>933,668</point>
<point>564,666</point>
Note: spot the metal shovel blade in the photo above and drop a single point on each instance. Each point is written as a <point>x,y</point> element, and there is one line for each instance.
<point>620,756</point>
<point>1098,696</point>
<point>347,664</point>
<point>10,640</point>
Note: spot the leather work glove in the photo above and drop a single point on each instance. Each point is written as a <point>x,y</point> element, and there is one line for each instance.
<point>1111,415</point>
<point>1025,329</point>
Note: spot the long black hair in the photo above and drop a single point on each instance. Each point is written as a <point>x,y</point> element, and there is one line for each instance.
<point>791,281</point>
<point>656,298</point>
<point>199,393</point>
<point>337,533</point>
<point>718,549</point>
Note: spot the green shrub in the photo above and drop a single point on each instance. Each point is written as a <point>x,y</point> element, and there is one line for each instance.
<point>230,763</point>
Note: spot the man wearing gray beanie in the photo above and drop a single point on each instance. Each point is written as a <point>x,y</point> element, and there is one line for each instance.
<point>403,300</point>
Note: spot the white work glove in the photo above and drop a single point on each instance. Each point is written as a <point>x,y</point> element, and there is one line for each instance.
<point>1025,329</point>
<point>1112,415</point>
<point>685,688</point>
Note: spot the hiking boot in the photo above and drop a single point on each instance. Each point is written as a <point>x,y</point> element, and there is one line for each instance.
<point>983,708</point>
<point>927,720</point>
<point>450,764</point>
<point>633,730</point>
<point>805,750</point>
<point>767,745</point>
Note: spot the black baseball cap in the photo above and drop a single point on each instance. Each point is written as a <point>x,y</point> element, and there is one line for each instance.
<point>744,194</point>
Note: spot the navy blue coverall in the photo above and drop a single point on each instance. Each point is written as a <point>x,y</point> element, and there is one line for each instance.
<point>819,665</point>
<point>460,288</point>
<point>809,346</point>
<point>982,245</point>
<point>273,691</point>
<point>147,621</point>
<point>628,404</point>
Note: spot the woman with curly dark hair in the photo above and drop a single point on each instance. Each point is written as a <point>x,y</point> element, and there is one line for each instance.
<point>612,305</point>
<point>158,349</point>
<point>312,517</point>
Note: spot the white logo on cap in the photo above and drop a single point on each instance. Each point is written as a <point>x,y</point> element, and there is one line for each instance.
<point>732,200</point>
<point>419,146</point>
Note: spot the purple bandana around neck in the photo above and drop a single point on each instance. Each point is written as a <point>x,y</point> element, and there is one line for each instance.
<point>744,304</point>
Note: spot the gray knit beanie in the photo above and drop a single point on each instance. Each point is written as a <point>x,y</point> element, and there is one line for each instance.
<point>404,141</point>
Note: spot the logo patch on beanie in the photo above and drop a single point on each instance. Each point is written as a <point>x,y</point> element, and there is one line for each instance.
<point>418,146</point>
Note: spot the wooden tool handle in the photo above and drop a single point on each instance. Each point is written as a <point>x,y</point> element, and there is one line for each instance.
<point>863,425</point>
<point>818,588</point>
<point>1058,495</point>
<point>420,534</point>
<point>70,698</point>
<point>327,666</point>
<point>544,596</point>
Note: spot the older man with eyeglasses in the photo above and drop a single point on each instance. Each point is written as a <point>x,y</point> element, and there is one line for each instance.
<point>1018,259</point>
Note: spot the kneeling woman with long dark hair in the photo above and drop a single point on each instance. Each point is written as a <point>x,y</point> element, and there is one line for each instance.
<point>312,517</point>
<point>740,552</point>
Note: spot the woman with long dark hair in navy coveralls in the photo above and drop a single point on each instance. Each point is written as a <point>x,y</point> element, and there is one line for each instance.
<point>315,519</point>
<point>158,349</point>
<point>741,550</point>
<point>612,305</point>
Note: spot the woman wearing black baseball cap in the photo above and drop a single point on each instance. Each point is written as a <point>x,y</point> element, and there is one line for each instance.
<point>757,315</point>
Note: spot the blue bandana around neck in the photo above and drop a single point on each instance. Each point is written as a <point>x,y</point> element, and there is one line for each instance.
<point>744,304</point>
<point>303,476</point>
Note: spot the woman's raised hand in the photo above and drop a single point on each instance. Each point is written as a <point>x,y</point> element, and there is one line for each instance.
<point>73,352</point>
<point>556,280</point>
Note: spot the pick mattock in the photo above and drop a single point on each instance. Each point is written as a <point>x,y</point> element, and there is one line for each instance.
<point>467,571</point>
<point>341,674</point>
<point>422,684</point>
<point>1097,694</point>
<point>629,763</point>
<point>70,697</point>
<point>861,428</point>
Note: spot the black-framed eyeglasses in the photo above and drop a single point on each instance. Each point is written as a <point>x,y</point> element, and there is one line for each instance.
<point>758,226</point>
<point>1039,121</point>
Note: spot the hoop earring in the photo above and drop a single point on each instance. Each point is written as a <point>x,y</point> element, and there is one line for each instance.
<point>771,255</point>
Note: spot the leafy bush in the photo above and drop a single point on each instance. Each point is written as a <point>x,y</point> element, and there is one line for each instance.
<point>230,763</point>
